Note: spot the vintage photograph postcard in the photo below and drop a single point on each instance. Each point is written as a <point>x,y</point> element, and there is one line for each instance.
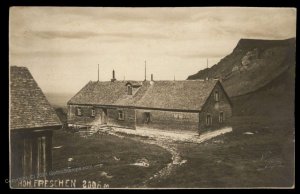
<point>143,98</point>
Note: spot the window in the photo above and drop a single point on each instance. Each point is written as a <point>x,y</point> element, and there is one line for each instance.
<point>179,116</point>
<point>221,117</point>
<point>176,116</point>
<point>79,111</point>
<point>216,96</point>
<point>208,120</point>
<point>121,115</point>
<point>147,117</point>
<point>93,113</point>
<point>129,90</point>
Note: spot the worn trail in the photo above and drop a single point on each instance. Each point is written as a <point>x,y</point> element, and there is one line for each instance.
<point>166,171</point>
<point>169,144</point>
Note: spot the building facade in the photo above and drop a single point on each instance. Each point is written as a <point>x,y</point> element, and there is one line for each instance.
<point>190,105</point>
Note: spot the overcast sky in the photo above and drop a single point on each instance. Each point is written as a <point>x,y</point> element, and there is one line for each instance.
<point>62,46</point>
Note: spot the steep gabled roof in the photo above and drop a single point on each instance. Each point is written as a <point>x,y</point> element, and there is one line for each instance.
<point>29,107</point>
<point>179,95</point>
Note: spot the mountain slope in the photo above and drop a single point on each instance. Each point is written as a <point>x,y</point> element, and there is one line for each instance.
<point>251,65</point>
<point>259,76</point>
<point>276,99</point>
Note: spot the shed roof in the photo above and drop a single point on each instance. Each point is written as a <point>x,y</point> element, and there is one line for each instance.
<point>181,95</point>
<point>29,107</point>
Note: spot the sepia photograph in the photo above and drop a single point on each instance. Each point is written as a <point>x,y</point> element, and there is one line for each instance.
<point>151,97</point>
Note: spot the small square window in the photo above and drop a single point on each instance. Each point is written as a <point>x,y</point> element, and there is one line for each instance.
<point>221,117</point>
<point>93,113</point>
<point>208,120</point>
<point>79,113</point>
<point>129,90</point>
<point>175,115</point>
<point>216,96</point>
<point>121,115</point>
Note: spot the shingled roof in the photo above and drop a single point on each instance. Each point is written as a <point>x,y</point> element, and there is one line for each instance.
<point>108,93</point>
<point>29,107</point>
<point>181,95</point>
<point>175,95</point>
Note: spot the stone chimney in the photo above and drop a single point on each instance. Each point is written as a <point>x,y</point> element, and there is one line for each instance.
<point>152,81</point>
<point>113,76</point>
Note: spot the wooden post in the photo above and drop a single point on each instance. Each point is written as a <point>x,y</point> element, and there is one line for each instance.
<point>98,72</point>
<point>41,164</point>
<point>27,157</point>
<point>145,71</point>
<point>34,155</point>
<point>49,152</point>
<point>199,124</point>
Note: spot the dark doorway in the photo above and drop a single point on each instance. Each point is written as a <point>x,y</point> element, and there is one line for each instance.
<point>104,116</point>
<point>146,117</point>
<point>208,120</point>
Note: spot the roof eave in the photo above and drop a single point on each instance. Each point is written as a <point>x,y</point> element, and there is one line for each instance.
<point>137,107</point>
<point>35,129</point>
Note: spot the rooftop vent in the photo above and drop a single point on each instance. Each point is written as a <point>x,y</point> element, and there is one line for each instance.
<point>113,76</point>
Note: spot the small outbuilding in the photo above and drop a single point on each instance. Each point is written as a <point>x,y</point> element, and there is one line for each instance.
<point>32,121</point>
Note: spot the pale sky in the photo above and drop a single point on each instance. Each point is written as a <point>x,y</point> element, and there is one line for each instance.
<point>63,46</point>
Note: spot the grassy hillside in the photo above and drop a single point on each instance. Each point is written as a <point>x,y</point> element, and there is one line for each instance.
<point>106,160</point>
<point>259,76</point>
<point>264,158</point>
<point>251,65</point>
<point>276,99</point>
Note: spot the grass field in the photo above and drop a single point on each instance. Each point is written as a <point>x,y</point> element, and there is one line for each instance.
<point>107,158</point>
<point>262,159</point>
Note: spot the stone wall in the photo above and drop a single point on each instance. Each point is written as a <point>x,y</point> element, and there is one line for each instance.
<point>213,108</point>
<point>113,117</point>
<point>86,115</point>
<point>167,120</point>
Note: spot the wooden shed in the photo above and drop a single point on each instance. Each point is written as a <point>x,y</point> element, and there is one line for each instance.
<point>32,121</point>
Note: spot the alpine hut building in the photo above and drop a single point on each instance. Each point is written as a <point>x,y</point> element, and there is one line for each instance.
<point>189,105</point>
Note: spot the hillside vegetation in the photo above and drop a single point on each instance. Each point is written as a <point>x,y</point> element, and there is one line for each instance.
<point>251,65</point>
<point>258,76</point>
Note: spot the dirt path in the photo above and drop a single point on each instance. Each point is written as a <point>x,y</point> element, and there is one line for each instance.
<point>169,144</point>
<point>166,171</point>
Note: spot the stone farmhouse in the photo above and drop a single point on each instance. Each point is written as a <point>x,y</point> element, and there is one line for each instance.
<point>189,105</point>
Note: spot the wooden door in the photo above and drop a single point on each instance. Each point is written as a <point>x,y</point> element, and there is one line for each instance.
<point>104,116</point>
